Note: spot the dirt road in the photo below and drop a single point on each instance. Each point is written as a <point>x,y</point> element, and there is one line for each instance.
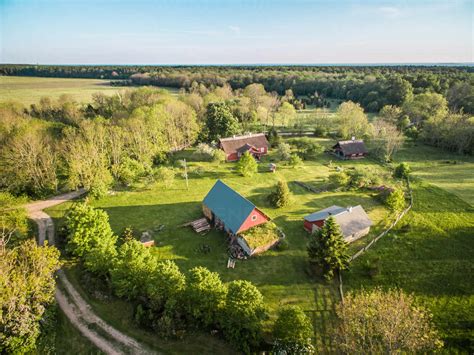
<point>78,311</point>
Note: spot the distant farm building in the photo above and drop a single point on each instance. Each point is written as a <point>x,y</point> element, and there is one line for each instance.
<point>353,221</point>
<point>352,149</point>
<point>235,147</point>
<point>229,211</point>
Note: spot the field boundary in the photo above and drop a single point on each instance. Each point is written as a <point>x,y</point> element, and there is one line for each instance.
<point>376,239</point>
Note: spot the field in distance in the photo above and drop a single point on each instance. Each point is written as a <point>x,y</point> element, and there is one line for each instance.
<point>29,90</point>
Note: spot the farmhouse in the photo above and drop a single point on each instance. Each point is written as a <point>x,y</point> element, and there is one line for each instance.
<point>235,147</point>
<point>354,221</point>
<point>233,213</point>
<point>352,149</point>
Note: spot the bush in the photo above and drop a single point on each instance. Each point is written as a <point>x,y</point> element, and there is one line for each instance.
<point>219,156</point>
<point>295,160</point>
<point>204,152</point>
<point>306,147</point>
<point>247,166</point>
<point>402,171</point>
<point>293,332</point>
<point>273,137</point>
<point>282,245</point>
<point>363,178</point>
<point>337,180</point>
<point>284,151</point>
<point>280,197</point>
<point>395,200</point>
<point>129,171</point>
<point>165,175</point>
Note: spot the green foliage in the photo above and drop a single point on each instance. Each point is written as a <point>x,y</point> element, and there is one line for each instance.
<point>13,218</point>
<point>133,270</point>
<point>165,282</point>
<point>247,166</point>
<point>363,178</point>
<point>328,250</point>
<point>293,331</point>
<point>205,295</point>
<point>204,152</point>
<point>402,171</point>
<point>218,156</point>
<point>283,245</point>
<point>338,180</point>
<point>86,226</point>
<point>220,122</point>
<point>352,121</point>
<point>261,235</point>
<point>27,285</point>
<point>243,315</point>
<point>374,322</point>
<point>101,257</point>
<point>395,200</point>
<point>165,176</point>
<point>284,151</point>
<point>130,171</point>
<point>280,196</point>
<point>273,137</point>
<point>295,161</point>
<point>307,147</point>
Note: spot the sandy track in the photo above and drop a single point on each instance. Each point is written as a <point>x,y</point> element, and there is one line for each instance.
<point>77,310</point>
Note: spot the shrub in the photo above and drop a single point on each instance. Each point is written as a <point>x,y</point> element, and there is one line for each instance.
<point>204,152</point>
<point>165,282</point>
<point>273,137</point>
<point>166,176</point>
<point>247,166</point>
<point>402,171</point>
<point>395,200</point>
<point>130,170</point>
<point>306,147</point>
<point>280,197</point>
<point>363,178</point>
<point>337,180</point>
<point>284,151</point>
<point>218,156</point>
<point>295,160</point>
<point>282,245</point>
<point>292,332</point>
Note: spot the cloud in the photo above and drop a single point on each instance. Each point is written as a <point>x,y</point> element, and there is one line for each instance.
<point>235,30</point>
<point>390,11</point>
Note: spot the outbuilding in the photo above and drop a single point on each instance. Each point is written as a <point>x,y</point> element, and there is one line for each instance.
<point>353,221</point>
<point>234,147</point>
<point>351,149</point>
<point>230,211</point>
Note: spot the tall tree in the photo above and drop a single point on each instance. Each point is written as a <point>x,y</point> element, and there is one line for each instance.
<point>247,166</point>
<point>280,196</point>
<point>352,121</point>
<point>328,250</point>
<point>387,139</point>
<point>220,122</point>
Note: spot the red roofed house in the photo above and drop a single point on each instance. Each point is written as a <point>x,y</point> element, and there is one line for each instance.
<point>235,147</point>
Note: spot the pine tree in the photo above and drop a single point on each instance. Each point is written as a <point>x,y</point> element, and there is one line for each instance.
<point>328,250</point>
<point>247,165</point>
<point>280,197</point>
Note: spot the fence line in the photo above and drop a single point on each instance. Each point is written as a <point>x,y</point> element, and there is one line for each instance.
<point>385,232</point>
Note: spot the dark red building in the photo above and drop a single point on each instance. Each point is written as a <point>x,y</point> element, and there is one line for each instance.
<point>235,147</point>
<point>353,149</point>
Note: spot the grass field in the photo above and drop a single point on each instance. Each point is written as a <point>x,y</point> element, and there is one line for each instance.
<point>280,276</point>
<point>29,90</point>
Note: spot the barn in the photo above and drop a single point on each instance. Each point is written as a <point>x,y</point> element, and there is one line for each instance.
<point>234,147</point>
<point>352,149</point>
<point>353,221</point>
<point>240,218</point>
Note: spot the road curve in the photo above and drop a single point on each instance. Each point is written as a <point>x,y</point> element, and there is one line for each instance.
<point>76,309</point>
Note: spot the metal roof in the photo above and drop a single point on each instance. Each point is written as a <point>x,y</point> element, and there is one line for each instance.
<point>228,205</point>
<point>351,219</point>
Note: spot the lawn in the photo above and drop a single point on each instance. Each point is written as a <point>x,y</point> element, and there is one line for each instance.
<point>280,276</point>
<point>29,90</point>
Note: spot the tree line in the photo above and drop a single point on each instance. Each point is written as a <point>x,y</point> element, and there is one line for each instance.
<point>371,86</point>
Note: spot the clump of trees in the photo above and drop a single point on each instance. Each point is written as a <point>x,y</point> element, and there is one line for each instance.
<point>327,249</point>
<point>390,322</point>
<point>27,287</point>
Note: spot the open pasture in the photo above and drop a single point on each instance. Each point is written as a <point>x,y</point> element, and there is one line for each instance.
<point>29,90</point>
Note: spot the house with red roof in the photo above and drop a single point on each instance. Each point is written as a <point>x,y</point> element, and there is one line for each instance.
<point>234,147</point>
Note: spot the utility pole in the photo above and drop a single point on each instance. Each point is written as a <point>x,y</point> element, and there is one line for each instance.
<point>186,174</point>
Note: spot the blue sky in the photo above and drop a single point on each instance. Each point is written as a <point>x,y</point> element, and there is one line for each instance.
<point>234,32</point>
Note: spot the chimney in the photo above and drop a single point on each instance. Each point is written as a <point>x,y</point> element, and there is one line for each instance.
<point>353,138</point>
<point>349,209</point>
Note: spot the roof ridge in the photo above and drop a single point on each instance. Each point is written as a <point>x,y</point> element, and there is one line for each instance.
<point>246,199</point>
<point>241,137</point>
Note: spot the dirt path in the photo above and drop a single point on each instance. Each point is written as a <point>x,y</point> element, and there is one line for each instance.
<point>78,311</point>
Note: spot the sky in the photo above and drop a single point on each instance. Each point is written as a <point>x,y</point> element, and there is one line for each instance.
<point>235,32</point>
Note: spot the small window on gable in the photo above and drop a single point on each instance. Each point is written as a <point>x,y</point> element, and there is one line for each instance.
<point>254,217</point>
